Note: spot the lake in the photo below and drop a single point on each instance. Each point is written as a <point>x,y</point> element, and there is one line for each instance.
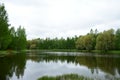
<point>32,65</point>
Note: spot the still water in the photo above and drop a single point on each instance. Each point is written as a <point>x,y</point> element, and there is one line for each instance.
<point>35,64</point>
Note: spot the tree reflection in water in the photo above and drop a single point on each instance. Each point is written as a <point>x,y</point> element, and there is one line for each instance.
<point>108,64</point>
<point>12,64</point>
<point>15,65</point>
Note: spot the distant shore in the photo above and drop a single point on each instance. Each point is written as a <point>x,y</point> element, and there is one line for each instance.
<point>12,52</point>
<point>75,50</point>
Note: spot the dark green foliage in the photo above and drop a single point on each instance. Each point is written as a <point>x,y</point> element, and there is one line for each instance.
<point>19,41</point>
<point>21,38</point>
<point>104,41</point>
<point>9,38</point>
<point>5,38</point>
<point>13,43</point>
<point>70,43</point>
<point>117,39</point>
<point>11,65</point>
<point>55,43</point>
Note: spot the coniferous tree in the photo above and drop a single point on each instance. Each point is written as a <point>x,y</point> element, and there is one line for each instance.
<point>117,40</point>
<point>21,38</point>
<point>13,43</point>
<point>5,38</point>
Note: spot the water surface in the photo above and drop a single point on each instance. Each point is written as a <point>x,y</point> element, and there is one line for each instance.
<point>35,64</point>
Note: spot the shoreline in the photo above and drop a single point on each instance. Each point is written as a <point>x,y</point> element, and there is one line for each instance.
<point>75,50</point>
<point>4,53</point>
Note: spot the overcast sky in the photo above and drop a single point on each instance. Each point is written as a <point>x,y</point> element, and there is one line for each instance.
<point>62,18</point>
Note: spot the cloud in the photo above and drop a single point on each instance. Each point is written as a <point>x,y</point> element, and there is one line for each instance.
<point>62,18</point>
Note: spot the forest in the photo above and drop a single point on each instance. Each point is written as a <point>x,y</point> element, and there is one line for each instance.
<point>10,39</point>
<point>59,40</point>
<point>15,39</point>
<point>94,40</point>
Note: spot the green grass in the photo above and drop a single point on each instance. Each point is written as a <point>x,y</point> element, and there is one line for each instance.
<point>107,52</point>
<point>71,77</point>
<point>7,52</point>
<point>75,50</point>
<point>114,51</point>
<point>66,77</point>
<point>85,51</point>
<point>63,50</point>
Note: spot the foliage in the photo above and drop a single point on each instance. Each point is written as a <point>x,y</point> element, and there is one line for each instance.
<point>86,42</point>
<point>105,41</point>
<point>9,38</point>
<point>21,38</point>
<point>55,43</point>
<point>18,36</point>
<point>66,77</point>
<point>5,38</point>
<point>117,39</point>
<point>79,43</point>
<point>11,65</point>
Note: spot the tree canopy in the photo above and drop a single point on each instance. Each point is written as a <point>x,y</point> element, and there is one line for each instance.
<point>9,38</point>
<point>4,30</point>
<point>104,41</point>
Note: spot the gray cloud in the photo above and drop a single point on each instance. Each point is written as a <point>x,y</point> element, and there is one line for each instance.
<point>62,18</point>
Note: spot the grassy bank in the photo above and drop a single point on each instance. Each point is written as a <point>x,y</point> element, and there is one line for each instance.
<point>75,50</point>
<point>107,52</point>
<point>101,52</point>
<point>65,77</point>
<point>114,51</point>
<point>63,50</point>
<point>86,51</point>
<point>7,52</point>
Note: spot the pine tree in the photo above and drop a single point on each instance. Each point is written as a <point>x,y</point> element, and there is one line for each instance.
<point>5,38</point>
<point>21,39</point>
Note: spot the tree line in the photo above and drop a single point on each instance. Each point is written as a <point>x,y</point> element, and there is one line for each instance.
<point>9,37</point>
<point>94,40</point>
<point>55,43</point>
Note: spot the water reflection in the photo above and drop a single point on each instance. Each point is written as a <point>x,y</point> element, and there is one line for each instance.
<point>36,64</point>
<point>10,65</point>
<point>107,64</point>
